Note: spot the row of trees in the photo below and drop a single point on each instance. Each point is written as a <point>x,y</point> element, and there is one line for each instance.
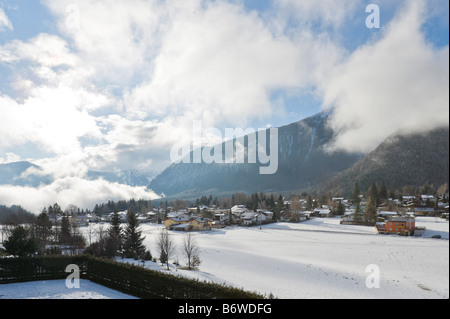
<point>42,236</point>
<point>48,234</point>
<point>127,242</point>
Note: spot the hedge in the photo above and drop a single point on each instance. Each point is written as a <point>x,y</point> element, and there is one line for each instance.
<point>129,279</point>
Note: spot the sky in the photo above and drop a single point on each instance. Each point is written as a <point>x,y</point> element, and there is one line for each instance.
<point>113,85</point>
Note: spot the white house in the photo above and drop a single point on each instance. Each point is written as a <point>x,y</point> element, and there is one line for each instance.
<point>249,218</point>
<point>260,216</point>
<point>238,209</point>
<point>322,212</point>
<point>268,214</point>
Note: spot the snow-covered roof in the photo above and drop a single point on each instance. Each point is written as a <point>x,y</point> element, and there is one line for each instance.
<point>385,212</point>
<point>249,215</point>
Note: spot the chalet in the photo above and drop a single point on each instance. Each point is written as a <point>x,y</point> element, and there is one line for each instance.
<point>268,214</point>
<point>79,220</point>
<point>429,198</point>
<point>256,218</point>
<point>185,223</point>
<point>171,221</point>
<point>424,211</point>
<point>401,225</point>
<point>322,212</point>
<point>384,214</point>
<point>293,216</point>
<point>222,217</point>
<point>249,218</point>
<point>238,210</point>
<point>200,224</point>
<point>180,227</point>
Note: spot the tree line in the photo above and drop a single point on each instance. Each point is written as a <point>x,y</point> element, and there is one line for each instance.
<point>48,235</point>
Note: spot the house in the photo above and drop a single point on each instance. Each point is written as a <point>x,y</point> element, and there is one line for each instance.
<point>238,209</point>
<point>429,198</point>
<point>322,212</point>
<point>200,224</point>
<point>249,218</point>
<point>222,217</point>
<point>180,227</point>
<point>403,225</point>
<point>185,223</point>
<point>424,211</point>
<point>385,214</point>
<point>170,221</point>
<point>268,214</point>
<point>256,218</point>
<point>293,216</point>
<point>79,220</point>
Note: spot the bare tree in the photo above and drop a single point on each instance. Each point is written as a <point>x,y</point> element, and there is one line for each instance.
<point>166,247</point>
<point>191,251</point>
<point>90,232</point>
<point>101,232</point>
<point>225,202</point>
<point>296,205</point>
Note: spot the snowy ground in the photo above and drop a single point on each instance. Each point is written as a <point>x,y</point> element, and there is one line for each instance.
<point>57,289</point>
<point>316,259</point>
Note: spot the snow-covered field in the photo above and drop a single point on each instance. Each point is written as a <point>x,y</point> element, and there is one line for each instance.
<point>315,259</point>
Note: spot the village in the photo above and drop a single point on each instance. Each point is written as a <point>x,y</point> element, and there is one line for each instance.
<point>392,217</point>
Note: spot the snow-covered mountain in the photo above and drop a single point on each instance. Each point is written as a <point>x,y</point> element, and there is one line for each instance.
<point>133,177</point>
<point>28,174</point>
<point>22,174</point>
<point>302,162</point>
<point>414,159</point>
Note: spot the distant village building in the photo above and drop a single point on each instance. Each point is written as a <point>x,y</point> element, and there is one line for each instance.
<point>424,211</point>
<point>294,216</point>
<point>239,209</point>
<point>184,222</point>
<point>256,218</point>
<point>322,212</point>
<point>403,225</point>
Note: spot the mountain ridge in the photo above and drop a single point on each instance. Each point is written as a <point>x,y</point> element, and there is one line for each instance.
<point>302,163</point>
<point>400,160</point>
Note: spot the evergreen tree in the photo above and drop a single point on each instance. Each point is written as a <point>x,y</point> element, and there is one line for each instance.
<point>271,202</point>
<point>357,214</point>
<point>371,212</point>
<point>356,193</point>
<point>65,235</point>
<point>279,207</point>
<point>374,194</point>
<point>340,210</point>
<point>383,194</point>
<point>309,203</point>
<point>133,241</point>
<point>114,227</point>
<point>20,243</point>
<point>42,230</point>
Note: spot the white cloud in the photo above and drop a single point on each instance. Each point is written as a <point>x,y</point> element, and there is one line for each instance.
<point>115,38</point>
<point>399,83</point>
<point>5,23</point>
<point>324,12</point>
<point>220,64</point>
<point>70,190</point>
